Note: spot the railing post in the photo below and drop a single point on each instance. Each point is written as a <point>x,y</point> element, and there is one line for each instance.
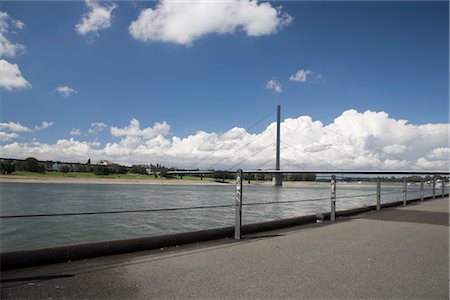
<point>434,187</point>
<point>421,190</point>
<point>404,192</point>
<point>238,198</point>
<point>333,198</point>
<point>443,187</point>
<point>378,194</point>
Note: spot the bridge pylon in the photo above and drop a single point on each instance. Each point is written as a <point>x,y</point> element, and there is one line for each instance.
<point>277,179</point>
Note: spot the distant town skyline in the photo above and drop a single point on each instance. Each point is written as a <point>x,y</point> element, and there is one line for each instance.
<point>361,84</point>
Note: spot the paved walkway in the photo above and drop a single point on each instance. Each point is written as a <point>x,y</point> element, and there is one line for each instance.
<point>398,253</point>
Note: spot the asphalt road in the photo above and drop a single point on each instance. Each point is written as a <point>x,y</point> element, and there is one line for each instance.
<point>397,253</point>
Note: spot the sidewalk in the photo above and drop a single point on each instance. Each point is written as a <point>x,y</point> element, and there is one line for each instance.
<point>396,253</point>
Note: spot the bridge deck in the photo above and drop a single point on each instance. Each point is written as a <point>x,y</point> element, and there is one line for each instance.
<point>398,253</point>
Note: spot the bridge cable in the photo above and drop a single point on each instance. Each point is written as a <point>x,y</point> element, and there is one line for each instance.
<point>369,146</point>
<point>238,136</point>
<point>314,140</point>
<point>240,148</point>
<point>243,161</point>
<point>310,155</point>
<point>374,148</point>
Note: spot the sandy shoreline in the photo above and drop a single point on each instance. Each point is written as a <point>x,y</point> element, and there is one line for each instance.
<point>13,179</point>
<point>68,180</point>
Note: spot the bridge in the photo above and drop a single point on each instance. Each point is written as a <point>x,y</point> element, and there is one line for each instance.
<point>278,173</point>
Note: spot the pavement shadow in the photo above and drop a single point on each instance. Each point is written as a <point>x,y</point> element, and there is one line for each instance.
<point>259,236</point>
<point>411,216</point>
<point>34,278</point>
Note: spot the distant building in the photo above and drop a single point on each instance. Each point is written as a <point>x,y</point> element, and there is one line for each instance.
<point>106,163</point>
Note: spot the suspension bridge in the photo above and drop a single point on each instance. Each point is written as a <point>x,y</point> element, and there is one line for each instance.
<point>277,172</point>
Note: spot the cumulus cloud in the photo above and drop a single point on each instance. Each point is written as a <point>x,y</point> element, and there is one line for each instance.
<point>75,131</point>
<point>61,150</point>
<point>7,47</point>
<point>274,85</point>
<point>98,18</point>
<point>43,125</point>
<point>438,158</point>
<point>11,77</point>
<point>354,140</point>
<point>97,127</point>
<point>15,127</point>
<point>183,22</point>
<point>300,75</point>
<point>133,130</point>
<point>394,149</point>
<point>65,90</point>
<point>7,136</point>
<point>10,130</point>
<point>303,75</point>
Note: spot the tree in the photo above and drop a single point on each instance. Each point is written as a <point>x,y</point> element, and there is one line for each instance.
<point>7,167</point>
<point>120,170</point>
<point>82,168</point>
<point>301,177</point>
<point>33,165</point>
<point>138,169</point>
<point>88,162</point>
<point>64,169</point>
<point>101,170</point>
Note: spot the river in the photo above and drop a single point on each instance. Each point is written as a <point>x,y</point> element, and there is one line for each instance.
<point>44,198</point>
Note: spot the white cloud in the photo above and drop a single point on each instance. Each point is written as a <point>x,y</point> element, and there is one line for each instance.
<point>15,127</point>
<point>19,24</point>
<point>7,136</point>
<point>44,125</point>
<point>8,48</point>
<point>354,140</point>
<point>300,75</point>
<point>75,131</point>
<point>11,77</point>
<point>65,90</point>
<point>183,22</point>
<point>61,150</point>
<point>437,159</point>
<point>133,130</point>
<point>274,85</point>
<point>316,147</point>
<point>97,127</point>
<point>394,149</point>
<point>98,18</point>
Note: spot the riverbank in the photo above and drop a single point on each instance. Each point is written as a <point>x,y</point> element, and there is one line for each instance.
<point>128,180</point>
<point>72,180</point>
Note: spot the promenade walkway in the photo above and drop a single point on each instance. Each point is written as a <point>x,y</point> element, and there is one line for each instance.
<point>399,252</point>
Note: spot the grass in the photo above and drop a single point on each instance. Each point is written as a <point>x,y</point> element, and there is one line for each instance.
<point>88,175</point>
<point>80,175</point>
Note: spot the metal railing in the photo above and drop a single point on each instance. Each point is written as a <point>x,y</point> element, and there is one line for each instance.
<point>239,193</point>
<point>333,187</point>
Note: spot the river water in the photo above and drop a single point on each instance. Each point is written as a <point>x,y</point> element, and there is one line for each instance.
<point>41,232</point>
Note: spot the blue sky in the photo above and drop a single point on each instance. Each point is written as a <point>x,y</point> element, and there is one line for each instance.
<point>380,56</point>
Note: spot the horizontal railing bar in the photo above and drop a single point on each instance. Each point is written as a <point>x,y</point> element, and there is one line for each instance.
<point>356,196</point>
<point>115,212</point>
<point>396,192</point>
<point>288,201</point>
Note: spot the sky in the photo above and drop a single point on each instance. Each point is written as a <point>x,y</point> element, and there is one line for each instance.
<point>360,84</point>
